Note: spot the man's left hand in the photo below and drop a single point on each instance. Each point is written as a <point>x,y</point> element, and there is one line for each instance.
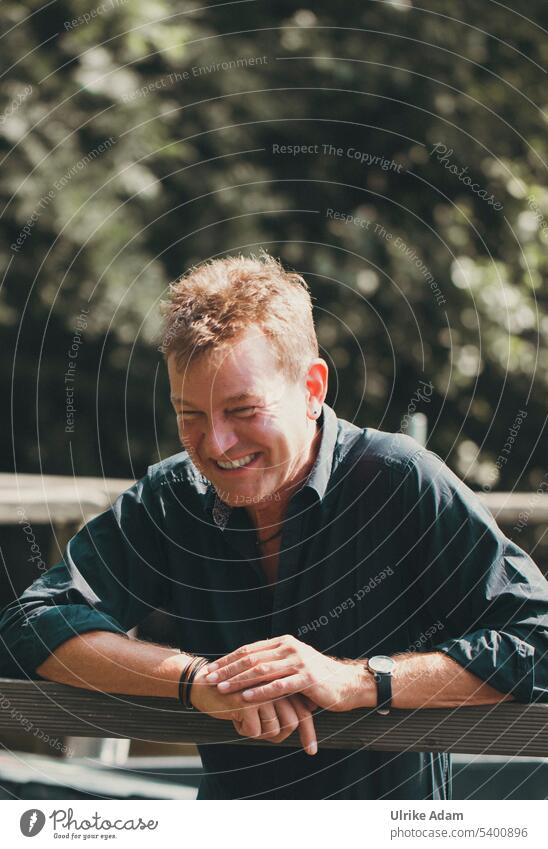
<point>269,669</point>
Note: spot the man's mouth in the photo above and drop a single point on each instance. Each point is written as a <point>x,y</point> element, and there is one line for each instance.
<point>236,464</point>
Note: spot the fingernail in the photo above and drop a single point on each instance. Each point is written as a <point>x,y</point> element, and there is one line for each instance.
<point>212,667</point>
<point>212,677</point>
<point>247,694</point>
<point>224,685</point>
<point>312,748</point>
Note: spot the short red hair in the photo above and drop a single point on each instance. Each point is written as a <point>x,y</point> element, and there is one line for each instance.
<point>214,302</point>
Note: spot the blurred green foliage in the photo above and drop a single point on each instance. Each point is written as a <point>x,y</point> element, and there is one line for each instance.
<point>192,172</point>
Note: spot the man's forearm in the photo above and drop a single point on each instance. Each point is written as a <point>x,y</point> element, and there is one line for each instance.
<point>431,680</point>
<point>112,663</point>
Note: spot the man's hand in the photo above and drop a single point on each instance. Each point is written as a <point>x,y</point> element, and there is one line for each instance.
<point>290,666</point>
<point>272,721</point>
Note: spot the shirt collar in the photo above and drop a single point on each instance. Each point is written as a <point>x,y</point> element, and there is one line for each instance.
<point>321,470</point>
<point>317,480</point>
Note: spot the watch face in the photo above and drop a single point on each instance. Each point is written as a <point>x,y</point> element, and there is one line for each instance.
<point>381,663</point>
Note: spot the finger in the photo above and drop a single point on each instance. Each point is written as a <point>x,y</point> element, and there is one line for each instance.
<point>276,689</point>
<point>270,724</point>
<point>260,645</point>
<point>288,719</point>
<point>250,723</point>
<point>307,730</point>
<point>242,665</point>
<point>261,673</point>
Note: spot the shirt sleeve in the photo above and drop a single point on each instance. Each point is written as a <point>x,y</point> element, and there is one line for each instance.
<point>489,594</point>
<point>109,579</point>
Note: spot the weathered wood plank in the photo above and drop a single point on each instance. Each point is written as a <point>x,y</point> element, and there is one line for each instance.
<point>58,710</point>
<point>56,499</point>
<point>506,507</point>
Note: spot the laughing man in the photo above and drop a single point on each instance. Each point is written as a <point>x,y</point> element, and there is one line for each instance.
<point>307,563</point>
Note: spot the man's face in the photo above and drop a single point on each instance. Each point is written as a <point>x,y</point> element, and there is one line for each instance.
<point>234,403</point>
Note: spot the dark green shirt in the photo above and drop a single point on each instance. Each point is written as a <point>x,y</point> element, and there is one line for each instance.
<point>384,550</point>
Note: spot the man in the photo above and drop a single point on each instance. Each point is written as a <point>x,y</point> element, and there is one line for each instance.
<point>317,563</point>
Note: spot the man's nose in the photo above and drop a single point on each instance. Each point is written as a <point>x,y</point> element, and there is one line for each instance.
<point>219,439</point>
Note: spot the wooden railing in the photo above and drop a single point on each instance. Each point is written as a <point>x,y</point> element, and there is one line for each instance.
<point>58,710</point>
<point>60,500</point>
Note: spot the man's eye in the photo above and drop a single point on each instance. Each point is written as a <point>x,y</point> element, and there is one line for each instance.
<point>243,412</point>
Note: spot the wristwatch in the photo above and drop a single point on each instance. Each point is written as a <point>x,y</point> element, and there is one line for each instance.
<point>382,666</point>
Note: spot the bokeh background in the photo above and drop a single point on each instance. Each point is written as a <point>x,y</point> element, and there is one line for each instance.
<point>140,138</point>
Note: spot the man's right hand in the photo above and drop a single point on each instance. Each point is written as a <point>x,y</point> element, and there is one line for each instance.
<point>273,721</point>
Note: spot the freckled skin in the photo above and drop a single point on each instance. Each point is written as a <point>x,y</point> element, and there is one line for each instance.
<point>277,421</point>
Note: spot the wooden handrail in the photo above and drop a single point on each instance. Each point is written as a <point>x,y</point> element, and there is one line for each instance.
<point>56,499</point>
<point>43,707</point>
<point>60,499</point>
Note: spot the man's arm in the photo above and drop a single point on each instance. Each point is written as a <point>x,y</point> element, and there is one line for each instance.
<point>277,667</point>
<point>110,578</point>
<point>490,596</point>
<point>425,680</point>
<point>112,663</point>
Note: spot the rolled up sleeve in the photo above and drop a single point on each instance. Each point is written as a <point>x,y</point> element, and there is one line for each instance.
<point>489,594</point>
<point>111,576</point>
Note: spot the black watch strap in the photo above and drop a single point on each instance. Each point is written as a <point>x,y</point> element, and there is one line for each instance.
<point>384,692</point>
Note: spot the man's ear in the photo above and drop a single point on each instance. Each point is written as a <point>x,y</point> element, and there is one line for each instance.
<point>316,386</point>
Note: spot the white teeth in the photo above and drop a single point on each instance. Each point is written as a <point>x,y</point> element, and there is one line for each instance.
<point>243,461</point>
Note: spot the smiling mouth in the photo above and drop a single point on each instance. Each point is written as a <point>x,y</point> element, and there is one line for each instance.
<point>228,466</point>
